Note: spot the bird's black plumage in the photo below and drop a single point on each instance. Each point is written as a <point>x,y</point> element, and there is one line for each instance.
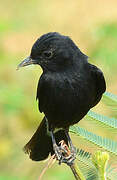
<point>68,87</point>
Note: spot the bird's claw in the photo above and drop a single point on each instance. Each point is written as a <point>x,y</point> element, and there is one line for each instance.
<point>64,155</point>
<point>69,160</point>
<point>58,152</point>
<point>73,151</point>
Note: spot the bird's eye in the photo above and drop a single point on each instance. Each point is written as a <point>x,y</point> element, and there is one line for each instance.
<point>48,54</point>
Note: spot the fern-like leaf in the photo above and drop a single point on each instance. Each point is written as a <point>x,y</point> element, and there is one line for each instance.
<point>89,170</point>
<point>83,153</point>
<point>105,143</point>
<point>86,165</point>
<point>110,96</point>
<point>112,122</point>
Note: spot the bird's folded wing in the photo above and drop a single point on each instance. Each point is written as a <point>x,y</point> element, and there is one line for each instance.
<point>99,79</point>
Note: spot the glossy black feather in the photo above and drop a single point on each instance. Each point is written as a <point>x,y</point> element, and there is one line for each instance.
<point>40,145</point>
<point>68,87</point>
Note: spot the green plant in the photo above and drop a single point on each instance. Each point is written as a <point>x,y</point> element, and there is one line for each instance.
<point>96,166</point>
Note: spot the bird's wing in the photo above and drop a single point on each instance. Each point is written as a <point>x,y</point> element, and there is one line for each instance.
<point>100,83</point>
<point>39,96</point>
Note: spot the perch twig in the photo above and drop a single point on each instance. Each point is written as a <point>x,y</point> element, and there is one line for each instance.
<point>51,161</point>
<point>74,167</point>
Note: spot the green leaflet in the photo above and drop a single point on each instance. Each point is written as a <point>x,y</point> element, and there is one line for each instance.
<point>105,143</point>
<point>110,96</point>
<point>112,122</point>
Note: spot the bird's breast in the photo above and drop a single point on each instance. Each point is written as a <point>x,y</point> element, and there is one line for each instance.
<point>65,98</point>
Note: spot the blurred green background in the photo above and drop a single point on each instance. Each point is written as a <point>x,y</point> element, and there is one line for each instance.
<point>92,25</point>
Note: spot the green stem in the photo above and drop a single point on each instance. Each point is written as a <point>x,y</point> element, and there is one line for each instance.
<point>76,171</point>
<point>102,177</point>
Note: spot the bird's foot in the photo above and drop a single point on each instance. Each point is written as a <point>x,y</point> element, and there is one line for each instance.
<point>63,154</point>
<point>58,152</point>
<point>73,151</point>
<point>69,160</point>
<point>67,156</point>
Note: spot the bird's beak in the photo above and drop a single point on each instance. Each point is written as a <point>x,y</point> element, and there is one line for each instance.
<point>26,62</point>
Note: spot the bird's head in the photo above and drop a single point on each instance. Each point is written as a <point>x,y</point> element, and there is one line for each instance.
<point>52,51</point>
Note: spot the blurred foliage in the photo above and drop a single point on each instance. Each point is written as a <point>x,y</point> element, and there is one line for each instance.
<point>93,27</point>
<point>100,159</point>
<point>105,50</point>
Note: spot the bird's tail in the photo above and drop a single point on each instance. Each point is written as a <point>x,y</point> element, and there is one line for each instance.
<point>40,145</point>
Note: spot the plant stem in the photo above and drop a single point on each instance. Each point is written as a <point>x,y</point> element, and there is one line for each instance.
<point>74,167</point>
<point>76,171</point>
<point>102,177</point>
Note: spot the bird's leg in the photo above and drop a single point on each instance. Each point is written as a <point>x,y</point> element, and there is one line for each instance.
<point>72,148</point>
<point>57,149</point>
<point>62,152</point>
<point>70,159</point>
<point>68,155</point>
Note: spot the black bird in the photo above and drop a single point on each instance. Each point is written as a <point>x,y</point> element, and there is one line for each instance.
<point>68,88</point>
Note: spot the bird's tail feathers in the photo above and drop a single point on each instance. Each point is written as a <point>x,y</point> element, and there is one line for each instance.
<point>40,145</point>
